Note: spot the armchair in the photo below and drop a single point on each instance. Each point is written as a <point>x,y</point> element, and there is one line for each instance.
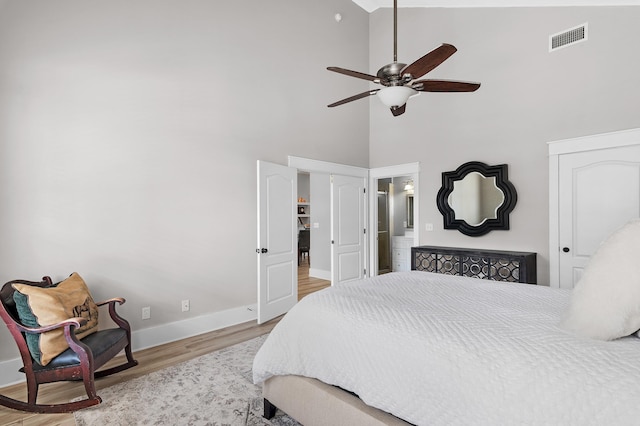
<point>79,361</point>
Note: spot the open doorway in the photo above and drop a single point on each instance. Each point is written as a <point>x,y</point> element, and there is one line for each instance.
<point>308,279</point>
<point>394,214</point>
<point>340,186</point>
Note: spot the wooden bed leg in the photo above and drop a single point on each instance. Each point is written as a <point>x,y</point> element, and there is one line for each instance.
<point>269,409</point>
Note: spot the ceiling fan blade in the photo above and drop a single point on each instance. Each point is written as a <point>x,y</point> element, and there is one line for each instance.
<point>354,97</point>
<point>396,111</point>
<point>429,61</point>
<point>444,86</point>
<point>354,74</point>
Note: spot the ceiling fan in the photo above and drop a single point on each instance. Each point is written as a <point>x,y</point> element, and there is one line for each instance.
<point>399,80</point>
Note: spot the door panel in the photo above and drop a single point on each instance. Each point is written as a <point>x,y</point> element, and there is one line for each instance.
<point>277,266</point>
<point>599,192</point>
<point>347,228</point>
<point>350,267</point>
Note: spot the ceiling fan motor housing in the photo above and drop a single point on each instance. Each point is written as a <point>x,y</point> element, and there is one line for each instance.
<point>390,74</point>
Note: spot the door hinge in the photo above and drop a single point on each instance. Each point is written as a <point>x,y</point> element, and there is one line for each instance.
<point>331,241</point>
<point>365,272</point>
<point>364,190</point>
<point>364,231</point>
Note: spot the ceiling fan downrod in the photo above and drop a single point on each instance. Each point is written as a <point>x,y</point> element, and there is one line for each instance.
<point>395,30</point>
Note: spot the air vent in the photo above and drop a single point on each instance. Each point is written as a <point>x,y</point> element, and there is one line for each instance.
<point>568,37</point>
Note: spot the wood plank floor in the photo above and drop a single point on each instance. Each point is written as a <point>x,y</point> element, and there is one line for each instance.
<point>307,284</point>
<point>150,360</point>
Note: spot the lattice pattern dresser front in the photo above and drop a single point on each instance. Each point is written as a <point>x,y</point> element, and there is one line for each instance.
<point>496,265</point>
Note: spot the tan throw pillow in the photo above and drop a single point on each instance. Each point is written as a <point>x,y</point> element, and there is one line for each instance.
<point>39,307</point>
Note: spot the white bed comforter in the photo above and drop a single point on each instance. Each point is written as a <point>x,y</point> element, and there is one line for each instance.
<point>442,350</point>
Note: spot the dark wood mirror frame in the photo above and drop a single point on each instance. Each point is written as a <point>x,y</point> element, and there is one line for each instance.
<point>501,222</point>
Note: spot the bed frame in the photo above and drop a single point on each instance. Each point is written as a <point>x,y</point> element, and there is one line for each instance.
<point>314,403</point>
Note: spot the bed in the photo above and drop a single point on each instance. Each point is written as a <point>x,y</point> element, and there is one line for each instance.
<point>424,348</point>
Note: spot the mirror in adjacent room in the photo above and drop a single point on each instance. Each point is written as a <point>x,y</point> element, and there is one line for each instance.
<point>410,211</point>
<point>476,198</point>
<point>395,218</point>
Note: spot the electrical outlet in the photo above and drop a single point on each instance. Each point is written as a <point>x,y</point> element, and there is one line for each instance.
<point>428,226</point>
<point>146,312</point>
<point>185,305</point>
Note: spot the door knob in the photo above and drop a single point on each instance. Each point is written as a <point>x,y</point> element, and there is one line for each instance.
<point>565,249</point>
<point>264,250</point>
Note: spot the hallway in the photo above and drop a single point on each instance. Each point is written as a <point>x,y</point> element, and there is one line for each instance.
<point>306,284</point>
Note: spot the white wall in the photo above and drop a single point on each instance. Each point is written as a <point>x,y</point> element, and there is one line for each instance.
<point>303,186</point>
<point>130,130</point>
<point>528,97</point>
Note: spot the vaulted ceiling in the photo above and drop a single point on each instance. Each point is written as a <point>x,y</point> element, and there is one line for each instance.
<point>371,5</point>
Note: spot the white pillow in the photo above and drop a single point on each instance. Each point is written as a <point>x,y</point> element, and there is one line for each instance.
<point>605,303</point>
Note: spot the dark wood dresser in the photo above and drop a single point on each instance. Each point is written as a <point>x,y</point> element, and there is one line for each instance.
<point>496,265</point>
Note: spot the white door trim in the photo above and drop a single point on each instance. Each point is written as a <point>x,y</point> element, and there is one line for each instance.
<point>309,165</point>
<point>569,146</point>
<point>592,142</point>
<point>397,170</point>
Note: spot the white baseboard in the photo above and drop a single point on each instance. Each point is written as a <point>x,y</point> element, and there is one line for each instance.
<point>165,333</point>
<point>154,336</point>
<point>320,273</point>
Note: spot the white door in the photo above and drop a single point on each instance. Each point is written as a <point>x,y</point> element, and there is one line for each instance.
<point>347,228</point>
<point>277,240</point>
<point>599,191</point>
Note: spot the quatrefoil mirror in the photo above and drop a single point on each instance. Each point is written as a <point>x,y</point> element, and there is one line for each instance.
<point>476,198</point>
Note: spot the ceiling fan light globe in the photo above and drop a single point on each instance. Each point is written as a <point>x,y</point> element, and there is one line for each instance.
<point>395,96</point>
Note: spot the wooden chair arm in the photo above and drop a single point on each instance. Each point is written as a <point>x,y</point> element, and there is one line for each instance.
<point>121,322</point>
<point>69,326</point>
<point>71,322</point>
<point>119,300</point>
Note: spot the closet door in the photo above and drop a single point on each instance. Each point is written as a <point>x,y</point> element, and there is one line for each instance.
<point>598,192</point>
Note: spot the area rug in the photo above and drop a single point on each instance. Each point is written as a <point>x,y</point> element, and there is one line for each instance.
<point>213,389</point>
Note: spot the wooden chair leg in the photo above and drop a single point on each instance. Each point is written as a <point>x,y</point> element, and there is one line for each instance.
<point>89,386</point>
<point>32,391</point>
<point>127,351</point>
